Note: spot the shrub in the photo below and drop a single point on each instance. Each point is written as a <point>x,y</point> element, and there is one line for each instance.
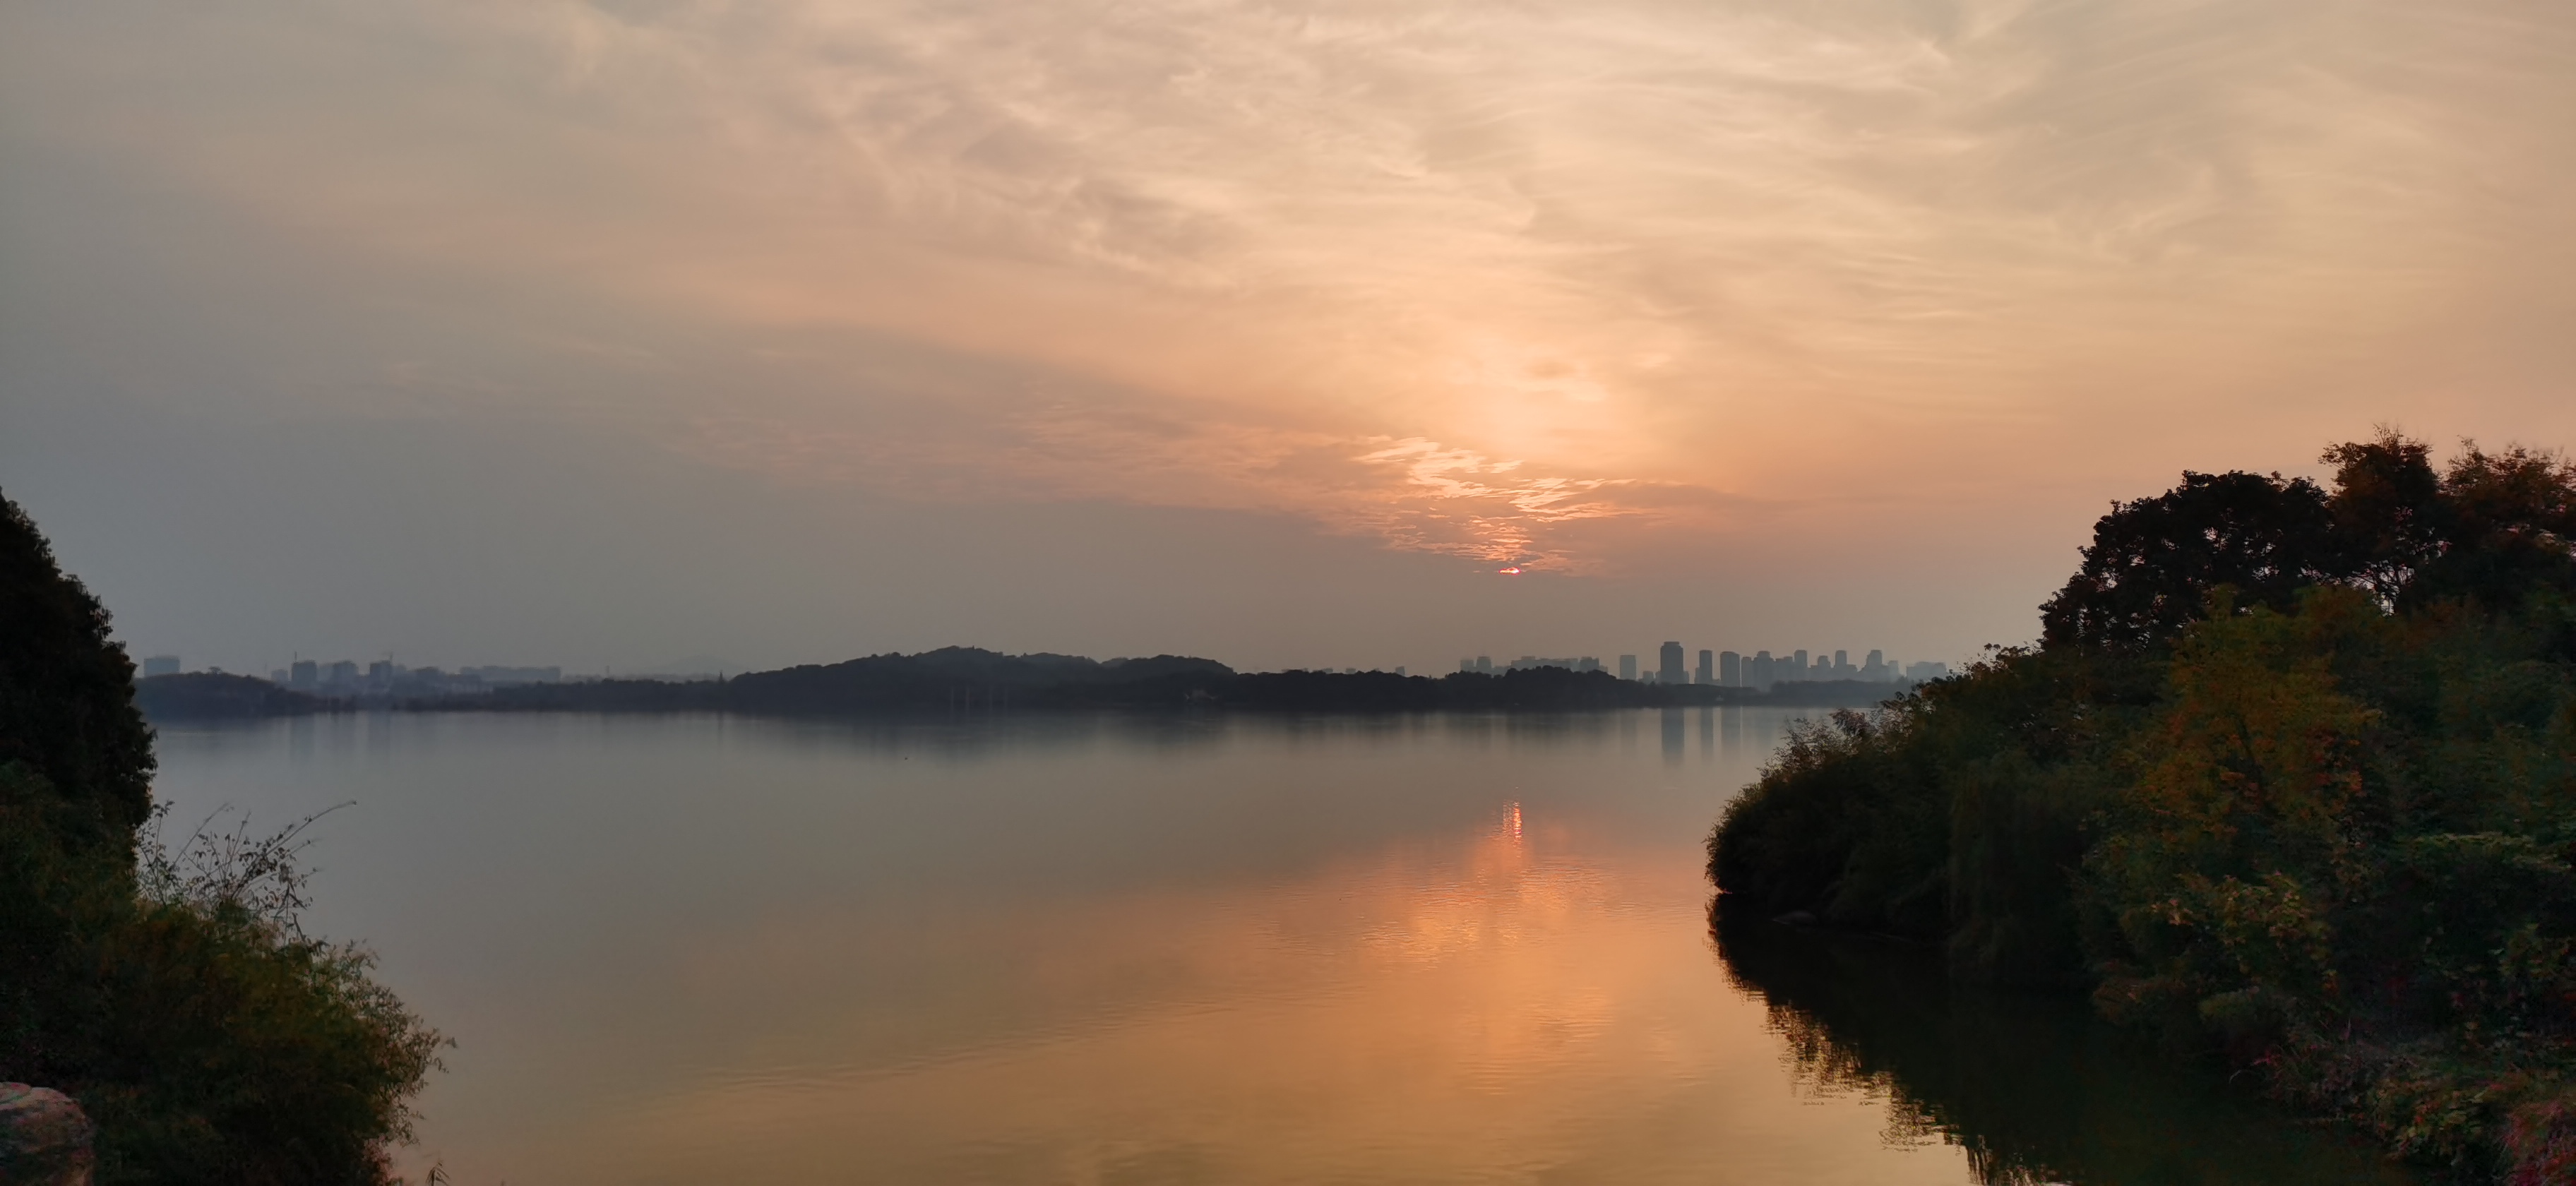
<point>179,1000</point>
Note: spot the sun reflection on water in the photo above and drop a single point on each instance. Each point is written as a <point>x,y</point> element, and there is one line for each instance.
<point>1480,1008</point>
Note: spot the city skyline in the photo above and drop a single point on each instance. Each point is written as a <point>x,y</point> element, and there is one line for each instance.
<point>1728,668</point>
<point>1381,336</point>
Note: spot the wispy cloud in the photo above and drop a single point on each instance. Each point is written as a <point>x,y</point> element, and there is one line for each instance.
<point>1462,276</point>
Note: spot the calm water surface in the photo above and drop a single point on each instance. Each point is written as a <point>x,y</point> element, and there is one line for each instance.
<point>1112,950</point>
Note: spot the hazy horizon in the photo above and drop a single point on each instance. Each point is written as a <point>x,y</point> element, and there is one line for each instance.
<point>617,334</point>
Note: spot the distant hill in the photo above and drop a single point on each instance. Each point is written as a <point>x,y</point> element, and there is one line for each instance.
<point>969,679</point>
<point>206,695</point>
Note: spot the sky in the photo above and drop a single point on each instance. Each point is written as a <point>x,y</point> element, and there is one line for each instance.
<point>687,333</point>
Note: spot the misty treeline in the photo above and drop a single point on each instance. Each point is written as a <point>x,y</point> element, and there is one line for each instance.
<point>2290,779</point>
<point>171,991</point>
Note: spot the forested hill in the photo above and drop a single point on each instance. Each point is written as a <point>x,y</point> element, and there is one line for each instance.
<point>961,679</point>
<point>966,677</point>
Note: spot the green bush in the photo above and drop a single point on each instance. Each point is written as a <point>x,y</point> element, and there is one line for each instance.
<point>178,1000</point>
<point>2326,832</point>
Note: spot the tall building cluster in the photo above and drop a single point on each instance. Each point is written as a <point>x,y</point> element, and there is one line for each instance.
<point>1763,670</point>
<point>384,677</point>
<point>1760,670</point>
<point>1484,664</point>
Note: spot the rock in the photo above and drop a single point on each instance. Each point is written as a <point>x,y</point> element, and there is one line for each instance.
<point>44,1138</point>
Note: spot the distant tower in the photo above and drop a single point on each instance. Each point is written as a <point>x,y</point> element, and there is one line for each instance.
<point>1627,667</point>
<point>1707,668</point>
<point>303,675</point>
<point>1765,672</point>
<point>1798,664</point>
<point>1671,671</point>
<point>1730,669</point>
<point>1485,664</point>
<point>1467,666</point>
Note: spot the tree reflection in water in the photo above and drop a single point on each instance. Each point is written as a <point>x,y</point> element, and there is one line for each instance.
<point>2035,1089</point>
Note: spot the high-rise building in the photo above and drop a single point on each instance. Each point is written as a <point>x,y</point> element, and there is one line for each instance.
<point>341,674</point>
<point>160,665</point>
<point>1627,667</point>
<point>1730,669</point>
<point>1876,668</point>
<point>1707,668</point>
<point>1671,670</point>
<point>1918,672</point>
<point>1467,666</point>
<point>1765,671</point>
<point>304,675</point>
<point>1484,664</point>
<point>1797,665</point>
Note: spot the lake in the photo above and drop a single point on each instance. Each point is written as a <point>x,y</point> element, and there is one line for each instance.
<point>1162,949</point>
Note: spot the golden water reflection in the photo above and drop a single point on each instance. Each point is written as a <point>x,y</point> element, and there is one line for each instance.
<point>1502,1006</point>
<point>1106,950</point>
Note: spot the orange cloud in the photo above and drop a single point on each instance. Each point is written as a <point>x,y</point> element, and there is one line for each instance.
<point>1508,284</point>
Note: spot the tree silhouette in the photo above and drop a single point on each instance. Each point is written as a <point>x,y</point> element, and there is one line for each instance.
<point>2153,562</point>
<point>66,690</point>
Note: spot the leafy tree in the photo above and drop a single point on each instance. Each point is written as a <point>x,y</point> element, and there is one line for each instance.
<point>66,691</point>
<point>181,1004</point>
<point>2293,778</point>
<point>2507,522</point>
<point>2153,562</point>
<point>2387,510</point>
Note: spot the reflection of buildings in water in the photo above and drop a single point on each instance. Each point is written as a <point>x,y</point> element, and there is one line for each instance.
<point>301,731</point>
<point>1754,733</point>
<point>1707,734</point>
<point>380,727</point>
<point>1672,729</point>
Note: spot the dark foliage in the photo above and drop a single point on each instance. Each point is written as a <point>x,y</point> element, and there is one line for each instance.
<point>607,695</point>
<point>2388,513</point>
<point>209,1038</point>
<point>2153,562</point>
<point>2488,532</point>
<point>2504,522</point>
<point>67,692</point>
<point>207,695</point>
<point>2032,1088</point>
<point>2323,831</point>
<point>961,677</point>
